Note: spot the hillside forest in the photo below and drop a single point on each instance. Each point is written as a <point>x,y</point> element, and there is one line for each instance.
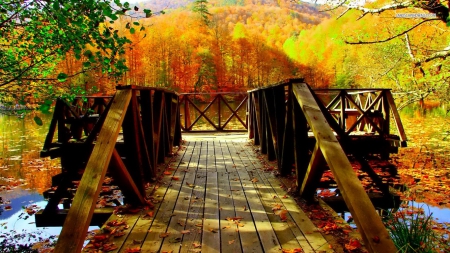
<point>235,45</point>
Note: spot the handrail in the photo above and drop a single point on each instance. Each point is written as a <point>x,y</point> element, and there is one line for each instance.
<point>332,117</point>
<point>328,149</point>
<point>150,124</point>
<point>193,112</point>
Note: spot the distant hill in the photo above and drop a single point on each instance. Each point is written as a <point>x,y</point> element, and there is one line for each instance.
<point>167,5</point>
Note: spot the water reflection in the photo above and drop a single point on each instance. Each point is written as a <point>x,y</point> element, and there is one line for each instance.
<point>24,176</point>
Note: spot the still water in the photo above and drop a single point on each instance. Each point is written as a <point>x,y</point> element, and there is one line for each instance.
<point>24,176</point>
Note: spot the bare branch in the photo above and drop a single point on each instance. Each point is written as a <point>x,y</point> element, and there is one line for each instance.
<point>439,55</point>
<point>408,47</point>
<point>394,6</point>
<point>392,37</point>
<point>334,7</point>
<point>343,13</point>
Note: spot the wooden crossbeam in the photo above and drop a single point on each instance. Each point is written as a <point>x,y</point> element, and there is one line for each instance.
<point>368,221</point>
<point>398,122</point>
<point>80,214</point>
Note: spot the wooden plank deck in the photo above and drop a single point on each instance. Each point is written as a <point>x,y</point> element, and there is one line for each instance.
<point>215,197</point>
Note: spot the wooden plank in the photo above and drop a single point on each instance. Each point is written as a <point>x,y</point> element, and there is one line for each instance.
<point>57,218</point>
<point>229,235</point>
<point>194,222</point>
<point>211,223</point>
<point>153,241</point>
<point>178,217</point>
<point>73,232</point>
<point>261,221</point>
<point>247,230</point>
<point>288,232</point>
<point>138,229</point>
<point>368,221</point>
<point>309,230</point>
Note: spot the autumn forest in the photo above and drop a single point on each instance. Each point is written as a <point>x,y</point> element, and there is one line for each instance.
<point>236,45</point>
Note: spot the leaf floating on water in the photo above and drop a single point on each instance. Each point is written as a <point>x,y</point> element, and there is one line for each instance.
<point>38,121</point>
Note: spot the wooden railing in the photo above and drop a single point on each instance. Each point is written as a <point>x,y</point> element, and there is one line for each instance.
<point>149,121</point>
<point>293,123</point>
<point>202,112</point>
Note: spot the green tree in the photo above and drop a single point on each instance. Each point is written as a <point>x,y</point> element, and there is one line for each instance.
<point>37,34</point>
<point>200,6</point>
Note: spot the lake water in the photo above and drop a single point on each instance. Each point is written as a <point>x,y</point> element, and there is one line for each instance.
<point>24,176</point>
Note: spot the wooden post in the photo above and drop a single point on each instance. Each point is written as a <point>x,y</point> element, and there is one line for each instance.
<point>80,214</point>
<point>219,111</point>
<point>158,109</point>
<point>301,151</point>
<point>177,136</point>
<point>147,125</point>
<point>137,158</point>
<point>250,112</point>
<point>287,156</point>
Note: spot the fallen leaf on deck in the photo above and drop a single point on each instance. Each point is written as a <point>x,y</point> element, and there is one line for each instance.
<point>133,250</point>
<point>137,242</point>
<point>283,215</point>
<point>353,244</point>
<point>231,242</point>
<point>254,180</point>
<point>167,173</point>
<point>292,250</point>
<point>196,245</point>
<point>185,231</point>
<point>175,178</point>
<point>213,230</point>
<point>233,218</point>
<point>190,185</point>
<point>199,225</point>
<point>99,238</point>
<point>277,207</point>
<point>226,227</point>
<point>163,235</point>
<point>119,234</point>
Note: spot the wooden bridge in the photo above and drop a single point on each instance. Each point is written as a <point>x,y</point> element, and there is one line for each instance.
<point>212,193</point>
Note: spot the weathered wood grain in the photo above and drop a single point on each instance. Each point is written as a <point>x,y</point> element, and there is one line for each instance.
<point>73,233</point>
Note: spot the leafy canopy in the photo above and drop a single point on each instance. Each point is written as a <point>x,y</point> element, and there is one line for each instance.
<point>37,34</point>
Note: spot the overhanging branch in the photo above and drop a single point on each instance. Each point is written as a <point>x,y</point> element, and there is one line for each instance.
<point>392,37</point>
